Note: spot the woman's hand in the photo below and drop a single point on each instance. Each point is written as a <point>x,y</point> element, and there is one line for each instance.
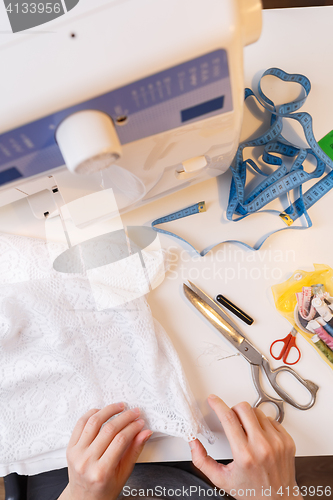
<point>100,459</point>
<point>263,452</point>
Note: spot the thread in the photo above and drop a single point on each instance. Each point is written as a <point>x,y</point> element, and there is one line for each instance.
<point>323,348</point>
<point>328,329</point>
<point>313,326</point>
<point>325,337</point>
<point>318,289</point>
<point>322,309</point>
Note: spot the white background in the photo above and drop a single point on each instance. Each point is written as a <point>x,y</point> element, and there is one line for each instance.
<point>300,41</point>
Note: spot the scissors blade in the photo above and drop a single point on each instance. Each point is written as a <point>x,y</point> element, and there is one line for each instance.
<point>216,317</point>
<point>214,305</point>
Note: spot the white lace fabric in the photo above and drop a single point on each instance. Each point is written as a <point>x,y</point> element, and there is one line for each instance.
<point>60,356</point>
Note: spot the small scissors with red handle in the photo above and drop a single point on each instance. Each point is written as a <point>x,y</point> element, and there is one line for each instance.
<point>289,342</point>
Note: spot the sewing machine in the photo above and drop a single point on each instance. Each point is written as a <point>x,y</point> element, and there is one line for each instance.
<point>142,97</point>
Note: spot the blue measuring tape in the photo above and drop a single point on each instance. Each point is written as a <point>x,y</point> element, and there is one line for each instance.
<point>282,180</point>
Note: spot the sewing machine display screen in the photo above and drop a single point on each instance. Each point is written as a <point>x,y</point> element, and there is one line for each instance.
<point>202,109</point>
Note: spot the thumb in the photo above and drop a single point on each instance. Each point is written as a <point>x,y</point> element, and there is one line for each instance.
<point>217,473</point>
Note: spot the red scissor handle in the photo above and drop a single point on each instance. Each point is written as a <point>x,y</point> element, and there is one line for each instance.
<point>288,343</point>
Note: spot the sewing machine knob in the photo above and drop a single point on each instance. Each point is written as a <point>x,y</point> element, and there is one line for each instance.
<point>251,20</point>
<point>88,141</point>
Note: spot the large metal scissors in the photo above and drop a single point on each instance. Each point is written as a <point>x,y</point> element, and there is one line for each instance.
<point>221,321</point>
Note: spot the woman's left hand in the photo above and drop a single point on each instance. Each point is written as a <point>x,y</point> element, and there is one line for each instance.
<point>100,459</point>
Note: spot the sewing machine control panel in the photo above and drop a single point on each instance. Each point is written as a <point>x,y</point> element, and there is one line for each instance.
<point>186,93</point>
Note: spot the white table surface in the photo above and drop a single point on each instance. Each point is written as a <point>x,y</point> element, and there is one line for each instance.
<point>299,41</point>
<point>295,40</point>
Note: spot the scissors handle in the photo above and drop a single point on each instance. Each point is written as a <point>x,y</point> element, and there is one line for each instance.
<point>289,342</point>
<point>311,387</point>
<point>264,398</point>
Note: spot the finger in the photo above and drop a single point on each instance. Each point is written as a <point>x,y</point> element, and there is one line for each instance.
<point>248,419</point>
<point>135,449</point>
<point>131,455</point>
<point>277,426</point>
<point>115,451</point>
<point>110,431</point>
<point>288,440</point>
<point>264,421</point>
<point>279,437</point>
<point>230,423</point>
<point>80,424</point>
<point>206,464</point>
<point>95,422</point>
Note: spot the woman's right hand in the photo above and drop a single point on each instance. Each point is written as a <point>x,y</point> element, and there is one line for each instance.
<point>263,452</point>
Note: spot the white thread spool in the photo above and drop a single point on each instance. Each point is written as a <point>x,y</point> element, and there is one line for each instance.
<point>88,141</point>
<point>313,325</point>
<point>322,309</point>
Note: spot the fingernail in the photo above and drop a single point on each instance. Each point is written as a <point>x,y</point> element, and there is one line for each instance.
<point>140,421</point>
<point>136,411</point>
<point>191,444</point>
<point>121,406</point>
<point>212,396</point>
<point>147,437</point>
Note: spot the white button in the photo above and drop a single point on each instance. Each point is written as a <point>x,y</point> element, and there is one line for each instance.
<point>194,164</point>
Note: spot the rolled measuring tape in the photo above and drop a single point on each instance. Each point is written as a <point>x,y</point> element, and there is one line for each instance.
<point>305,307</point>
<point>279,182</point>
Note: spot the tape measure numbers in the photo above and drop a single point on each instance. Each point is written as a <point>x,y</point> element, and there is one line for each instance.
<point>281,181</point>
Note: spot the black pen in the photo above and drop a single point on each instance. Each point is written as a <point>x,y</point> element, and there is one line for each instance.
<point>234,309</point>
